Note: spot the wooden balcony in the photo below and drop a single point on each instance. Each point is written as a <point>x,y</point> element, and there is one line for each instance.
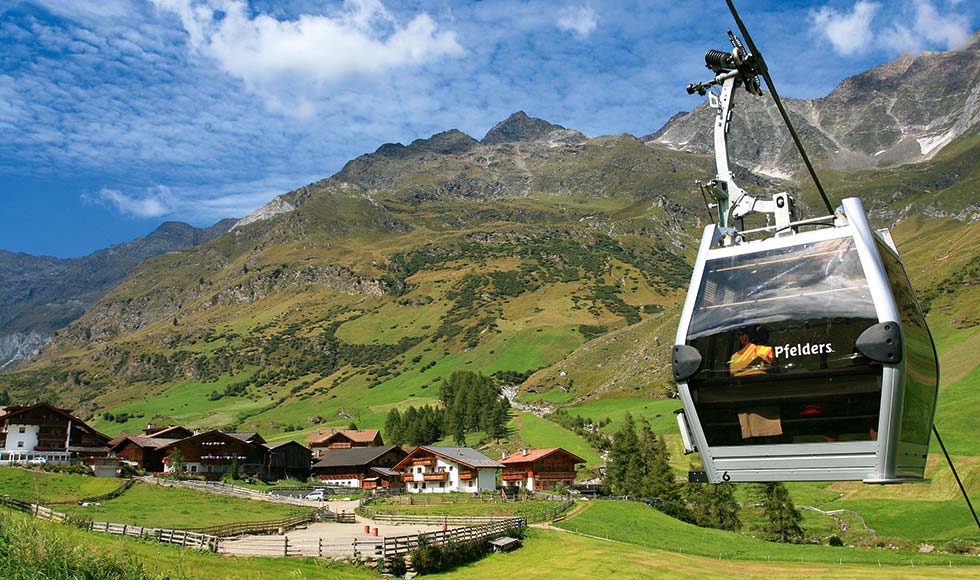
<point>435,476</point>
<point>467,475</point>
<point>555,475</point>
<point>514,476</point>
<point>425,461</point>
<point>408,477</point>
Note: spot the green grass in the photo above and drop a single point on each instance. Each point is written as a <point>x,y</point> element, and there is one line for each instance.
<point>48,488</point>
<point>660,412</point>
<point>636,523</point>
<point>35,550</point>
<point>530,509</point>
<point>542,433</point>
<point>185,404</point>
<point>555,554</point>
<point>168,507</point>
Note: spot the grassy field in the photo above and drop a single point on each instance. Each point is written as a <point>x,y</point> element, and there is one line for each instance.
<point>168,507</point>
<point>542,433</point>
<point>35,550</point>
<point>555,554</point>
<point>638,524</point>
<point>530,509</point>
<point>49,488</point>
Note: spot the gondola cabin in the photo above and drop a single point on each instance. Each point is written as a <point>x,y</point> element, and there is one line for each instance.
<point>805,357</point>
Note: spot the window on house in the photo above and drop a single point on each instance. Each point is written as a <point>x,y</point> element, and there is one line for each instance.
<point>442,484</point>
<point>20,444</point>
<point>22,429</point>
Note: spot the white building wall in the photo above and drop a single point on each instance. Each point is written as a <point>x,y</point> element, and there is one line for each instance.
<point>26,441</point>
<point>341,482</point>
<point>487,478</point>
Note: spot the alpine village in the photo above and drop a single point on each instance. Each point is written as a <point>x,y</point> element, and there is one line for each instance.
<point>454,358</point>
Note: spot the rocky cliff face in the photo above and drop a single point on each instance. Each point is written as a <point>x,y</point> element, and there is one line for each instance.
<point>901,112</point>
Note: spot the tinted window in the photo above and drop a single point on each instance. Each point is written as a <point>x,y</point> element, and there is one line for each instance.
<point>921,368</point>
<point>776,331</point>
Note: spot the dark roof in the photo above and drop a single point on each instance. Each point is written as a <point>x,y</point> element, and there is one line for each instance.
<point>248,437</point>
<point>284,443</point>
<point>352,456</point>
<point>387,471</point>
<point>462,455</point>
<point>141,441</point>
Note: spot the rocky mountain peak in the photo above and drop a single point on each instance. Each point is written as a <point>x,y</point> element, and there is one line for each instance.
<point>519,127</point>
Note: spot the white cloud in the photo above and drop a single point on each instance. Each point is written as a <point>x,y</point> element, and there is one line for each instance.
<point>849,32</point>
<point>580,21</point>
<point>948,30</point>
<point>909,27</point>
<point>288,62</point>
<point>199,204</point>
<point>155,203</point>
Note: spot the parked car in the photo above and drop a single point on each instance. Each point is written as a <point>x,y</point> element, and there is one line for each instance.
<point>318,494</point>
<point>38,460</point>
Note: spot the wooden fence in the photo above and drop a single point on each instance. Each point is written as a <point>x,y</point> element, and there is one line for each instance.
<point>105,497</point>
<point>401,545</point>
<point>274,526</point>
<point>304,547</point>
<point>180,537</point>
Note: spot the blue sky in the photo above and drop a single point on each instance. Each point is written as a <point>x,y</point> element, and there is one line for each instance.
<point>117,115</point>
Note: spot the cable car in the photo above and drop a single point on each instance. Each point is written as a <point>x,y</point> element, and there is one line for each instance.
<point>801,352</point>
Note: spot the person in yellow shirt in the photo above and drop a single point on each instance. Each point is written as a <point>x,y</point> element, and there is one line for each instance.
<point>752,358</point>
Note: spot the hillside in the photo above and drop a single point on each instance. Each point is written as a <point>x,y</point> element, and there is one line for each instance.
<point>41,294</point>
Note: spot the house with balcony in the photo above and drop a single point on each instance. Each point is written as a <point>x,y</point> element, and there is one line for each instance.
<point>287,460</point>
<point>141,451</point>
<point>540,469</point>
<point>446,469</point>
<point>352,467</point>
<point>212,454</point>
<point>323,439</point>
<point>43,432</point>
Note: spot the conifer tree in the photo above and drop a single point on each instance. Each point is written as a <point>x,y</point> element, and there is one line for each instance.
<point>393,428</point>
<point>714,506</point>
<point>623,460</point>
<point>782,518</point>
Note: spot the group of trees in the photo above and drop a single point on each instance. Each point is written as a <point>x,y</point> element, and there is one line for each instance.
<point>416,426</point>
<point>639,465</point>
<point>470,402</point>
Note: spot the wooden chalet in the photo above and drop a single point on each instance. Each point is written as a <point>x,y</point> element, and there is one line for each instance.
<point>141,451</point>
<point>540,469</point>
<point>445,469</point>
<point>45,432</point>
<point>287,460</point>
<point>212,453</point>
<point>323,439</point>
<point>351,467</point>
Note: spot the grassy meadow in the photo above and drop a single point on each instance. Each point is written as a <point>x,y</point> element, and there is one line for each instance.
<point>52,488</point>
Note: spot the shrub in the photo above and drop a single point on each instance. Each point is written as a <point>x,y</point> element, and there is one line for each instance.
<point>835,541</point>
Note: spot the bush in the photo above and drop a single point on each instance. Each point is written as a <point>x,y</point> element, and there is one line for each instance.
<point>835,541</point>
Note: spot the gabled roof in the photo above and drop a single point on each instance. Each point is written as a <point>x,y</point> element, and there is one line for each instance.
<point>171,432</point>
<point>285,443</point>
<point>209,434</point>
<point>536,455</point>
<point>352,457</point>
<point>141,441</point>
<point>12,411</point>
<point>386,471</point>
<point>461,455</point>
<point>248,437</point>
<point>355,435</point>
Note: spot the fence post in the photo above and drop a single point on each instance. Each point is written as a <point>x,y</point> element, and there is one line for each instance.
<point>285,545</point>
<point>319,547</point>
<point>355,547</point>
